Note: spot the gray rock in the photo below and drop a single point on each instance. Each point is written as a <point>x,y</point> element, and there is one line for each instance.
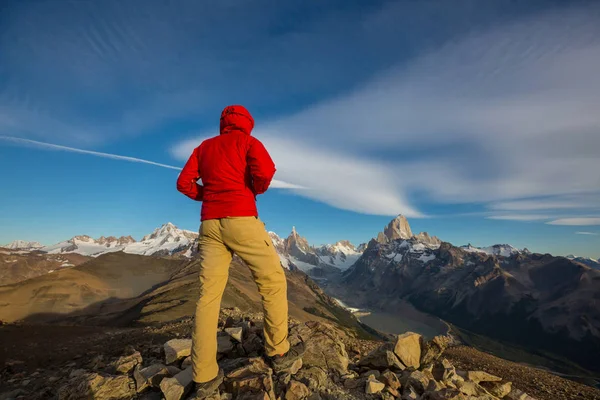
<point>498,389</point>
<point>187,362</point>
<point>313,377</point>
<point>98,387</point>
<point>125,364</point>
<point>253,344</point>
<point>236,333</point>
<point>479,376</point>
<point>224,344</point>
<point>410,393</point>
<point>177,387</point>
<point>296,391</point>
<point>150,376</point>
<point>408,349</point>
<point>374,386</point>
<point>252,386</point>
<point>324,347</point>
<point>418,380</point>
<point>391,379</point>
<point>382,358</point>
<point>296,366</point>
<point>176,349</point>
<point>433,349</point>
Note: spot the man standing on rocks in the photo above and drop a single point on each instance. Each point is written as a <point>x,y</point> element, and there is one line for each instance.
<point>234,168</point>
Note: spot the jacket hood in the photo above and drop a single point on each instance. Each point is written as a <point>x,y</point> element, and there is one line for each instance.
<point>236,118</point>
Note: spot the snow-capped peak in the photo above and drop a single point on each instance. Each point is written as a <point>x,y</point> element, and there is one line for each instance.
<point>505,250</point>
<point>23,245</point>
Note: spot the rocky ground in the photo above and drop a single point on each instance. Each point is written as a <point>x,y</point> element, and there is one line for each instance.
<point>153,363</point>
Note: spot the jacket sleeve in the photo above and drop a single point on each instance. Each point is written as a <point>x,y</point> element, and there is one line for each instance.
<point>186,183</point>
<point>262,168</point>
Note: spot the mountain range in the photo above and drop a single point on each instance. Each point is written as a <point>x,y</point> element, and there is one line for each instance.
<point>543,303</point>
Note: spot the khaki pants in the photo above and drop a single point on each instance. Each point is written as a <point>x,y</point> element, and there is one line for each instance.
<point>246,237</point>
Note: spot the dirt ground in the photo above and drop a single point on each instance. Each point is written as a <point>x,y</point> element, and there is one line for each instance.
<point>538,383</point>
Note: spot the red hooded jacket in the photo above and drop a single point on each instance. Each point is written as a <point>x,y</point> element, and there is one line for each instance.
<point>234,168</point>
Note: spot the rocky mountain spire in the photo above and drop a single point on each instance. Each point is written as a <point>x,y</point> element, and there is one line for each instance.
<point>398,228</point>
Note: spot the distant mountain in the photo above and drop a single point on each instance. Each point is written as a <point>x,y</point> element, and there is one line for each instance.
<point>590,262</point>
<point>504,250</point>
<point>295,252</point>
<point>22,245</point>
<point>533,300</point>
<point>20,265</point>
<point>88,246</point>
<point>342,254</point>
<point>398,228</point>
<point>166,240</point>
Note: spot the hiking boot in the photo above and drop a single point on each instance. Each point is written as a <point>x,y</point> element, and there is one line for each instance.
<point>285,361</point>
<point>209,388</point>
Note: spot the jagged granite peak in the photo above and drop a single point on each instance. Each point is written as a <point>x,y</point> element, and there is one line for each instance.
<point>398,228</point>
<point>297,247</point>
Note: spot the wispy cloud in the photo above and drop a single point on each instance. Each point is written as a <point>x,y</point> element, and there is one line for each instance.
<point>586,233</point>
<point>495,116</point>
<point>354,184</point>
<point>492,114</point>
<point>578,221</point>
<point>56,147</point>
<point>519,217</point>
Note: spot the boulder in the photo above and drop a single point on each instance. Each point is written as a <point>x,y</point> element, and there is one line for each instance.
<point>418,380</point>
<point>324,347</point>
<point>314,377</point>
<point>382,358</point>
<point>251,366</point>
<point>150,376</point>
<point>433,349</point>
<point>253,344</point>
<point>409,393</point>
<point>296,366</point>
<point>176,349</point>
<point>390,379</point>
<point>395,393</point>
<point>224,344</point>
<point>252,386</point>
<point>235,333</point>
<point>479,376</point>
<point>472,389</point>
<point>408,349</point>
<point>296,391</point>
<point>374,386</point>
<point>444,371</point>
<point>498,389</point>
<point>187,362</point>
<point>177,387</point>
<point>125,364</point>
<point>98,387</point>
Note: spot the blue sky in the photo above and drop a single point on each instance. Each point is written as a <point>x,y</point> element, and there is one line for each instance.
<point>480,121</point>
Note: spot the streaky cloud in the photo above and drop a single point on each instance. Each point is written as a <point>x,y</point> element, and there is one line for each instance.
<point>577,221</point>
<point>57,147</point>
